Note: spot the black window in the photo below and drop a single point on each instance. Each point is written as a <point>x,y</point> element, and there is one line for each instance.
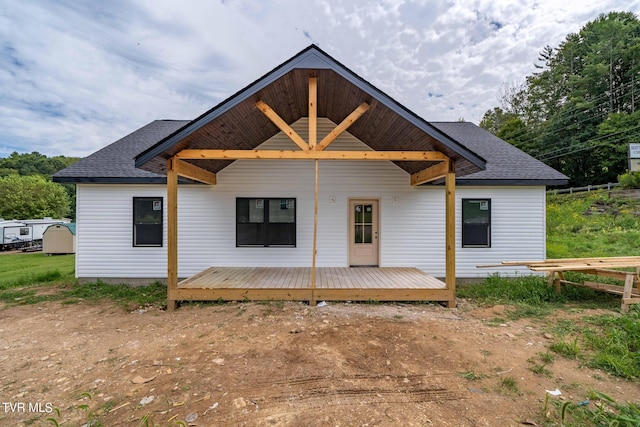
<point>265,222</point>
<point>147,221</point>
<point>24,231</point>
<point>476,223</point>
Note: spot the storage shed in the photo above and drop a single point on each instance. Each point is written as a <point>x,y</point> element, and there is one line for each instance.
<point>59,239</point>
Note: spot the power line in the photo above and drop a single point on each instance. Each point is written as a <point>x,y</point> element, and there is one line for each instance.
<point>588,145</point>
<point>568,112</point>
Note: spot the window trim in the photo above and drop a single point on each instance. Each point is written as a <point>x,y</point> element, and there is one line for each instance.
<point>265,221</point>
<point>153,199</point>
<point>463,225</point>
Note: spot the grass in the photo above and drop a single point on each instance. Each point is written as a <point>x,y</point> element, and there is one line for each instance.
<point>33,278</point>
<point>530,296</point>
<point>470,376</point>
<point>599,410</point>
<point>590,225</point>
<point>568,349</point>
<point>19,270</point>
<point>509,385</point>
<point>615,341</point>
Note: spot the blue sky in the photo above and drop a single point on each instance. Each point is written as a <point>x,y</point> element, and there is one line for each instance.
<point>76,75</point>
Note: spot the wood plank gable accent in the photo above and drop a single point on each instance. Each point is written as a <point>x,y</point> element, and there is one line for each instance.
<point>237,123</point>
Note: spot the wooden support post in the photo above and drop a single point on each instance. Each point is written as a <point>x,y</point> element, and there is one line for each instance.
<point>626,295</point>
<point>450,236</point>
<point>552,281</point>
<point>313,112</point>
<point>312,302</point>
<point>557,281</point>
<point>172,235</point>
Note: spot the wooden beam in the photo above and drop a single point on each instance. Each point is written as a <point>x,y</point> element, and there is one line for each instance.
<point>431,173</point>
<point>304,294</point>
<point>313,112</point>
<point>312,155</point>
<point>344,125</point>
<point>172,234</point>
<point>450,233</point>
<point>194,172</point>
<point>282,125</point>
<point>312,302</point>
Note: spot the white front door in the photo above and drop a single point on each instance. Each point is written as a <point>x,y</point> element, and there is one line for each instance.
<point>363,232</point>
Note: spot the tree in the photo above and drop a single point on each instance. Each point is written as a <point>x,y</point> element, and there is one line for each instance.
<point>34,164</point>
<point>611,148</point>
<point>573,111</point>
<point>28,197</point>
<point>494,120</point>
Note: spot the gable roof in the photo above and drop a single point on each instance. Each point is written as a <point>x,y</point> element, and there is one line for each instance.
<point>237,123</point>
<point>71,226</point>
<point>505,164</point>
<point>114,164</point>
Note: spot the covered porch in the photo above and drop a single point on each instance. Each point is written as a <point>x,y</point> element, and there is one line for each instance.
<point>312,86</point>
<point>298,284</point>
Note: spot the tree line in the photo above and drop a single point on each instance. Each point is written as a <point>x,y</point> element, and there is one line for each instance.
<point>27,191</point>
<point>580,109</point>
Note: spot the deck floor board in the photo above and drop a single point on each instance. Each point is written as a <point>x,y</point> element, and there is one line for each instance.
<point>300,278</point>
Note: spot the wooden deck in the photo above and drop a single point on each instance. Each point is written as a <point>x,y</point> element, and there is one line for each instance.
<point>294,283</point>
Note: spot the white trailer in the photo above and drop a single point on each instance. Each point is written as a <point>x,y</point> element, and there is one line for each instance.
<point>40,225</point>
<point>15,235</point>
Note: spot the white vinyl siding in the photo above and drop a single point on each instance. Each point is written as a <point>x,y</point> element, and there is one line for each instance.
<point>412,219</point>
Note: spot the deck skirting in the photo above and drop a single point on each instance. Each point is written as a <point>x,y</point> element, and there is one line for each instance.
<point>295,283</point>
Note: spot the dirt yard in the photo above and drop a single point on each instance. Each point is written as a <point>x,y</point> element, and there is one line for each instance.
<point>282,364</point>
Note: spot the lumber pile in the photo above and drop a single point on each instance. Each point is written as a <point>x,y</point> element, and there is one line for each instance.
<point>625,269</point>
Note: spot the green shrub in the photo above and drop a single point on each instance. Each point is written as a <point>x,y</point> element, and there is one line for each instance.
<point>629,180</point>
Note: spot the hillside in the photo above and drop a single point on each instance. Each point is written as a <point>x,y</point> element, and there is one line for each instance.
<point>593,224</point>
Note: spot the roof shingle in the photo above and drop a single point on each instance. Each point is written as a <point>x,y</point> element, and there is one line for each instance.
<point>506,164</point>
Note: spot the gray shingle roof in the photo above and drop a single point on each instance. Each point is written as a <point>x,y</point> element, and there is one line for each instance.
<point>506,164</point>
<point>115,162</point>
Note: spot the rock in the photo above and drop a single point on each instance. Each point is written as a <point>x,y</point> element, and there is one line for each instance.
<point>239,402</point>
<point>140,380</point>
<point>146,400</point>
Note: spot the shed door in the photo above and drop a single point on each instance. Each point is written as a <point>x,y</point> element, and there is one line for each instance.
<point>363,232</point>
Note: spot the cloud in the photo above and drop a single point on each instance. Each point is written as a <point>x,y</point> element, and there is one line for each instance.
<point>79,74</point>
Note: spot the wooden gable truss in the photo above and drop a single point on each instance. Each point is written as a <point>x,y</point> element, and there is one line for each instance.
<point>178,165</point>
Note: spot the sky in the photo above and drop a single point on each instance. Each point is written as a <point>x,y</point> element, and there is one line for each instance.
<point>76,75</point>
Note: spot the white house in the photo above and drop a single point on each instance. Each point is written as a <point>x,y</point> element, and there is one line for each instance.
<point>308,169</point>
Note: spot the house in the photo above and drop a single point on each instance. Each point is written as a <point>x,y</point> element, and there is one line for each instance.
<point>59,239</point>
<point>302,175</point>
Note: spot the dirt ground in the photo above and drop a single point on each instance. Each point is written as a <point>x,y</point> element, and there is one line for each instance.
<point>282,364</point>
